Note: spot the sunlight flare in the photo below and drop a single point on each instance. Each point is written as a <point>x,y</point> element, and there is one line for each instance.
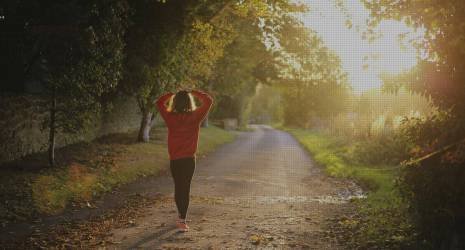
<point>342,28</point>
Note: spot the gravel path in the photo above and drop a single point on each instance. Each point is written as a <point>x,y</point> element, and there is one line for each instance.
<point>261,191</point>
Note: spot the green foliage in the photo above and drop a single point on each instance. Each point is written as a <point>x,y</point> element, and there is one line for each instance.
<point>80,50</point>
<point>439,75</point>
<point>176,44</point>
<point>170,45</point>
<point>80,64</point>
<point>435,191</point>
<point>246,63</point>
<point>387,149</point>
<point>432,182</point>
<point>75,50</point>
<point>149,39</point>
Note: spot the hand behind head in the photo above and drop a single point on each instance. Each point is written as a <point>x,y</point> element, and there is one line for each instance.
<point>185,87</point>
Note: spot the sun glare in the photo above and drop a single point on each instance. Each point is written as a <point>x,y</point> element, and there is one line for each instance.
<point>361,59</point>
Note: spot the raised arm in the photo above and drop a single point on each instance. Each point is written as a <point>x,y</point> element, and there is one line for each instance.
<point>161,104</point>
<point>206,100</point>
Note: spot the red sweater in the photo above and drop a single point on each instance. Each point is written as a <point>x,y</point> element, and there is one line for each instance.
<point>183,128</point>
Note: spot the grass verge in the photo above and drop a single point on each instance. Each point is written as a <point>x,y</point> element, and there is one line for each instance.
<point>381,220</point>
<point>87,170</point>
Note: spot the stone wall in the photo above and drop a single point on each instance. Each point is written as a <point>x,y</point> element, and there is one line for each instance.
<point>22,133</point>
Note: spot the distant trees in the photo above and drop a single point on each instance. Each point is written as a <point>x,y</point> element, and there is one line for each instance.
<point>278,50</point>
<point>314,85</point>
<point>266,106</point>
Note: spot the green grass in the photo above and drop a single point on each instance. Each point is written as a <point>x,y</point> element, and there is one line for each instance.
<point>332,153</point>
<point>382,219</point>
<point>89,169</point>
<point>212,137</point>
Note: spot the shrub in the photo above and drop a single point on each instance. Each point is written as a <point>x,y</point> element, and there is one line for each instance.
<point>388,150</point>
<point>436,192</point>
<point>434,183</point>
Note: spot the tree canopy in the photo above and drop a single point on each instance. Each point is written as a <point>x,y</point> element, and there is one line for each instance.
<point>83,51</point>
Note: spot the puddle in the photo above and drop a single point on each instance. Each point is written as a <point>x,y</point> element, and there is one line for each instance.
<point>350,192</point>
<point>327,199</point>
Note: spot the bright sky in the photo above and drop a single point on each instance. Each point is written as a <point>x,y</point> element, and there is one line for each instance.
<point>386,54</point>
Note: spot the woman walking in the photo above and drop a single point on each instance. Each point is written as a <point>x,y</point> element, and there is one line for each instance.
<point>183,120</point>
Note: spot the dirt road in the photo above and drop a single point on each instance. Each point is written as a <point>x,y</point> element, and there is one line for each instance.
<point>263,190</point>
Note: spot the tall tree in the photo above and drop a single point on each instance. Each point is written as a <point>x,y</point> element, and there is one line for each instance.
<point>75,50</point>
<point>170,44</point>
<point>246,63</point>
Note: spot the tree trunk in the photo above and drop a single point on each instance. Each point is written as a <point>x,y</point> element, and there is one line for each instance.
<point>52,131</point>
<point>205,122</point>
<point>145,127</point>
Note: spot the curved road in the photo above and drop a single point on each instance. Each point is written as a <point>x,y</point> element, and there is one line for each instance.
<point>262,190</point>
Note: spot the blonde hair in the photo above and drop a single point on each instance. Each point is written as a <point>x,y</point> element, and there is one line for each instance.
<point>191,101</point>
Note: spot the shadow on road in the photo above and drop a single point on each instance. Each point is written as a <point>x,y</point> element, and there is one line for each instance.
<point>153,236</point>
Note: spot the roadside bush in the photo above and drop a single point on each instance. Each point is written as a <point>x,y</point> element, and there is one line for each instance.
<point>387,150</point>
<point>436,192</point>
<point>433,183</point>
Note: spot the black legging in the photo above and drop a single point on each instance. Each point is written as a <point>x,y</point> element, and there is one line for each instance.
<point>182,171</point>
